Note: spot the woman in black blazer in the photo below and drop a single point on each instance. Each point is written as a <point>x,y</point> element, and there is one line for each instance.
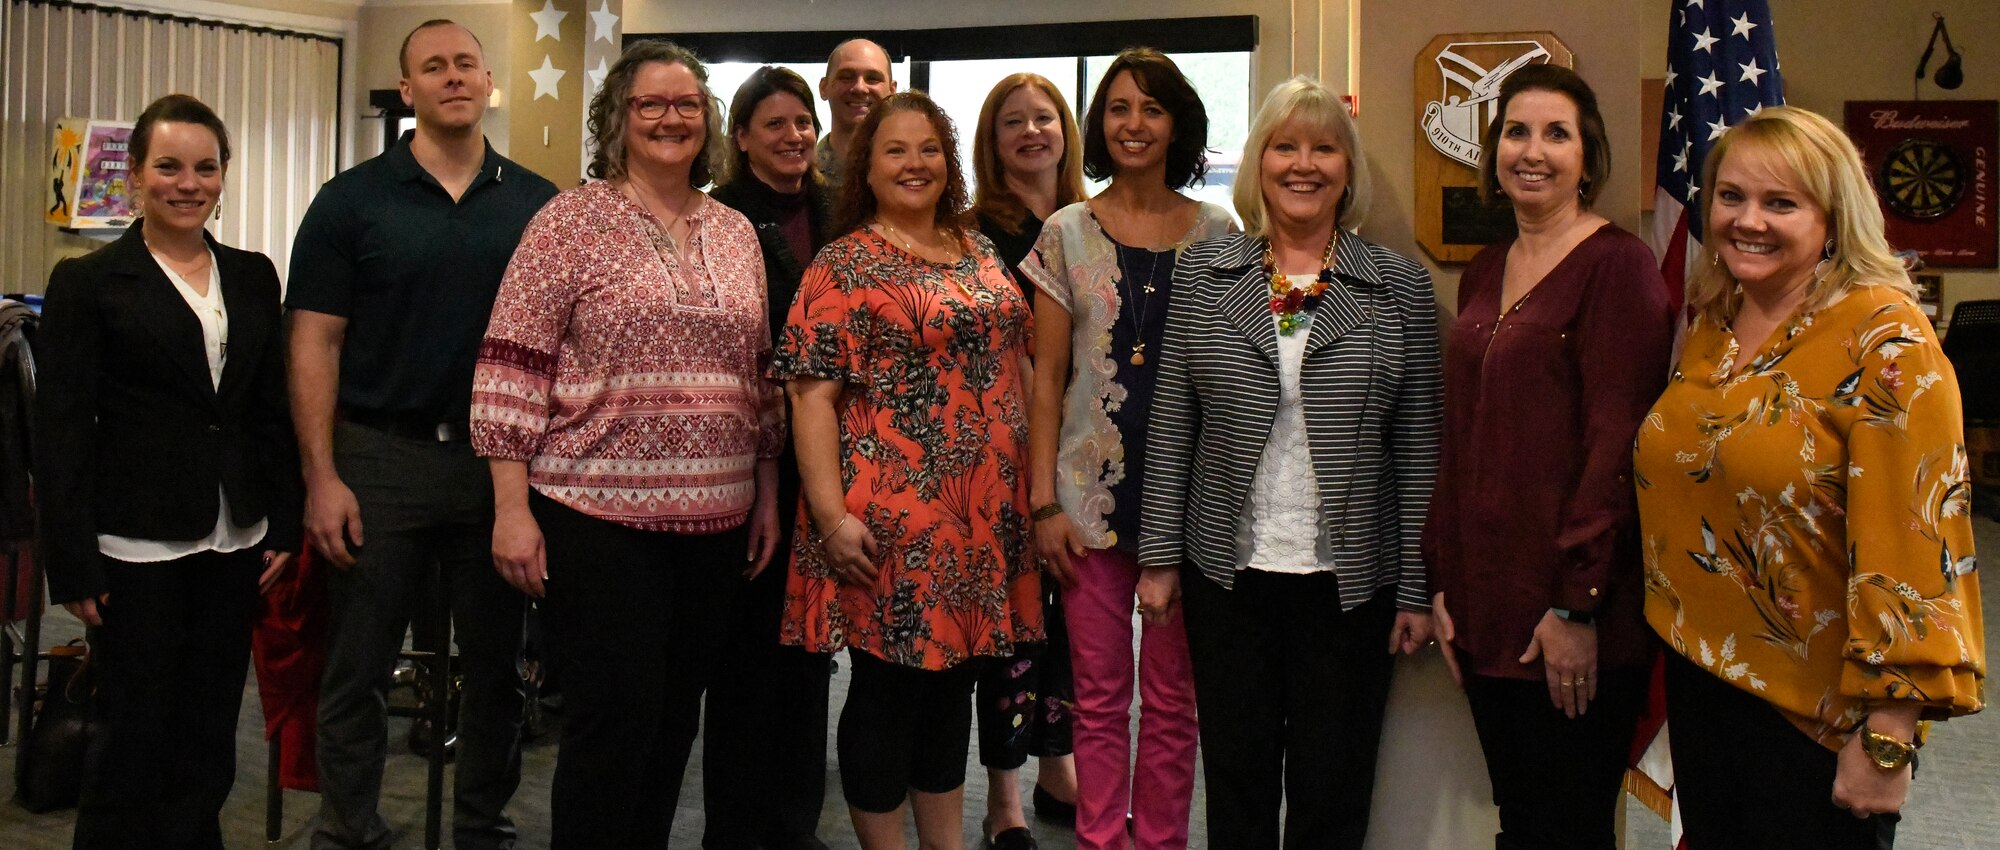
<point>168,482</point>
<point>1293,440</point>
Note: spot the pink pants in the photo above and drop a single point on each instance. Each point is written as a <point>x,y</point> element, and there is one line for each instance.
<point>1158,790</point>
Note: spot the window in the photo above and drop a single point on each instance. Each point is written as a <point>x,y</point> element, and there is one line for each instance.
<point>724,78</point>
<point>959,66</point>
<point>961,86</point>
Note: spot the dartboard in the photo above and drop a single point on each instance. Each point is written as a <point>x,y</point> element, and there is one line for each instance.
<point>1921,179</point>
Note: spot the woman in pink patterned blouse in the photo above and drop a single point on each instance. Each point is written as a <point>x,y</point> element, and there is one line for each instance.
<point>633,438</point>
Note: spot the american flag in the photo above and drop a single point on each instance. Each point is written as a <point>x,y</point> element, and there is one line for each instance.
<point>1722,66</point>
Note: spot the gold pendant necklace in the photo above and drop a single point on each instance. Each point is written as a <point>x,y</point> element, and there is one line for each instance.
<point>1140,308</point>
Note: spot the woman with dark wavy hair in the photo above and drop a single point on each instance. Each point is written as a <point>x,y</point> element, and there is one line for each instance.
<point>1531,543</point>
<point>1104,269</point>
<point>764,736</point>
<point>621,401</point>
<point>906,352</point>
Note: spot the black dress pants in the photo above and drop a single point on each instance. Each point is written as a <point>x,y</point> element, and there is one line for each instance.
<point>170,661</point>
<point>764,734</point>
<point>1291,691</point>
<point>636,619</point>
<point>1748,779</point>
<point>426,509</point>
<point>1556,779</point>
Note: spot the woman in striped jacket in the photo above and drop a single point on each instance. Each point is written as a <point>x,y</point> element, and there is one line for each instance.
<point>1293,441</point>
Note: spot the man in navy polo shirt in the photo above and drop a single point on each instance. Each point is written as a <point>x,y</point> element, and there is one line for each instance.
<point>393,276</point>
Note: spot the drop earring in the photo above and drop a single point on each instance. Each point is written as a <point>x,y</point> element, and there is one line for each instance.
<point>1825,262</point>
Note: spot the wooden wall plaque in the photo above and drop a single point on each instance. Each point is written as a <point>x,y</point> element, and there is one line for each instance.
<point>1458,79</point>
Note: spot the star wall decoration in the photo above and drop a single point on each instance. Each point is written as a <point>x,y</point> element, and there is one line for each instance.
<point>548,21</point>
<point>604,20</point>
<point>597,74</point>
<point>546,78</point>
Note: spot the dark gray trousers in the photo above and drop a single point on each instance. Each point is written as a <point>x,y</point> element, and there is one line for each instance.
<point>424,505</point>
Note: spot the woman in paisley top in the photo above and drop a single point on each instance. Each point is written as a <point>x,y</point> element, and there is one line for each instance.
<point>1103,268</point>
<point>1029,160</point>
<point>906,352</point>
<point>1803,506</point>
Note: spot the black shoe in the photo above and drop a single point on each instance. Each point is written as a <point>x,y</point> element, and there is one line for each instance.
<point>1013,838</point>
<point>1051,810</point>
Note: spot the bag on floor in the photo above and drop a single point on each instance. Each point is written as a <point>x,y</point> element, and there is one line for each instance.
<point>48,769</point>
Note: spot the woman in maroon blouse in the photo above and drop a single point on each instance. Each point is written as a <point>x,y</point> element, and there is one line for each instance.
<point>1560,348</point>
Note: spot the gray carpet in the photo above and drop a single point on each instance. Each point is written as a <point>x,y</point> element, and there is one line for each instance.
<point>1955,805</point>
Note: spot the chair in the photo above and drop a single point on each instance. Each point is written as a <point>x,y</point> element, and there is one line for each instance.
<point>1972,343</point>
<point>22,573</point>
<point>437,689</point>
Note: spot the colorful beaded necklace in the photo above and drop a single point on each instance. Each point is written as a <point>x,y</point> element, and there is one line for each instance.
<point>1293,305</point>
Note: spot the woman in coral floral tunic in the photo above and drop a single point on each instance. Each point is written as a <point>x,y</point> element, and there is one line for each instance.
<point>906,352</point>
<point>933,443</point>
<point>1803,503</point>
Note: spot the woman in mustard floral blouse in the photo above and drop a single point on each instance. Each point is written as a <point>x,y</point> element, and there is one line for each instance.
<point>1803,498</point>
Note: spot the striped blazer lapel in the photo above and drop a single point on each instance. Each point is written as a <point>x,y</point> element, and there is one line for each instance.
<point>1246,296</point>
<point>1339,311</point>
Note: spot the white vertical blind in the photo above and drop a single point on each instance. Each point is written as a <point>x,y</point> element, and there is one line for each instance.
<point>278,93</point>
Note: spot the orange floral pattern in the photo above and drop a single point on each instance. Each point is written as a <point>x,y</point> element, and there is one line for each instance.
<point>934,445</point>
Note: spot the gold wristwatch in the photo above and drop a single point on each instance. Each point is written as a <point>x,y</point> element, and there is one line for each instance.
<point>1887,751</point>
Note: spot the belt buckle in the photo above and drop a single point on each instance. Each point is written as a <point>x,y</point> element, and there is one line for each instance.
<point>444,432</point>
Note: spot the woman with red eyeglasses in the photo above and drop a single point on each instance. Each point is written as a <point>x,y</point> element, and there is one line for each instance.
<point>620,399</point>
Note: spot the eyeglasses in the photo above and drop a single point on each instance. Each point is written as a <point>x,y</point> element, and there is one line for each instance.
<point>654,108</point>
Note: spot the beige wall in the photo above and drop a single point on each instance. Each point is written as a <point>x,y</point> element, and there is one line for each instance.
<point>342,9</point>
<point>381,34</point>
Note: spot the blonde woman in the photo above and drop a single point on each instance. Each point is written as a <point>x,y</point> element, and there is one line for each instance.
<point>1803,507</point>
<point>1292,444</point>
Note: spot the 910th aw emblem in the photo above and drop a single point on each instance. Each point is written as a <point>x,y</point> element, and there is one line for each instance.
<point>1469,98</point>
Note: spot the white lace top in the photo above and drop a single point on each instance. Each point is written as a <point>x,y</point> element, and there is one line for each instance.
<point>1280,527</point>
